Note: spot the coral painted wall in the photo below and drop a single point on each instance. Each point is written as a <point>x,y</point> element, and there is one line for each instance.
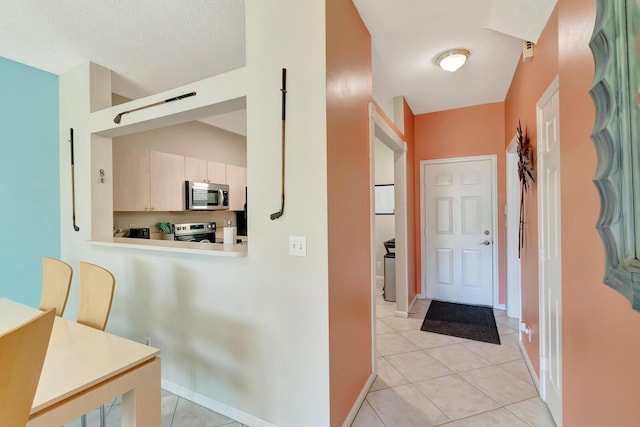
<point>601,333</point>
<point>471,131</point>
<point>413,221</point>
<point>349,91</point>
<point>529,83</point>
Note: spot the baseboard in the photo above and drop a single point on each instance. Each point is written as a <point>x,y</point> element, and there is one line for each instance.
<point>214,405</point>
<point>358,403</point>
<point>527,361</point>
<point>500,306</point>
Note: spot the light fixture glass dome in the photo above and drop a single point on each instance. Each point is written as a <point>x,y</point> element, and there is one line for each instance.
<point>453,59</point>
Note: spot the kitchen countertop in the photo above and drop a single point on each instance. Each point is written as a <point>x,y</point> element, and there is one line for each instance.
<point>211,249</point>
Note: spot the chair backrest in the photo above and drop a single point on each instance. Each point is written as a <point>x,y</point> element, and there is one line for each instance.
<point>56,281</point>
<point>22,352</point>
<point>96,294</point>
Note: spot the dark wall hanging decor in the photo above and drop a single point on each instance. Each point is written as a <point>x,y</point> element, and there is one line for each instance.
<point>525,174</point>
<point>73,184</point>
<point>118,117</point>
<point>278,214</point>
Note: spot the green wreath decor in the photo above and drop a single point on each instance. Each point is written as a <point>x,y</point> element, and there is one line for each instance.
<point>525,173</point>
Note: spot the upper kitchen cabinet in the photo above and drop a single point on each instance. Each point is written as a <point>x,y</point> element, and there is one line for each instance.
<point>237,181</point>
<point>146,180</point>
<point>202,170</point>
<point>130,179</point>
<point>217,172</point>
<point>167,172</point>
<point>195,169</point>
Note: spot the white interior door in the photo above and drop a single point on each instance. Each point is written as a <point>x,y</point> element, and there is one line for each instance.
<point>549,239</point>
<point>459,231</point>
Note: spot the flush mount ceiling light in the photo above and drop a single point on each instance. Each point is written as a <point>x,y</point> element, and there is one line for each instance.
<point>453,59</point>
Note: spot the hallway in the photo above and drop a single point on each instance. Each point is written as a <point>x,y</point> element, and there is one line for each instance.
<point>427,379</point>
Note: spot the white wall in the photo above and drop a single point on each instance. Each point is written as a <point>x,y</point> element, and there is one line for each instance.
<point>247,336</point>
<point>384,224</point>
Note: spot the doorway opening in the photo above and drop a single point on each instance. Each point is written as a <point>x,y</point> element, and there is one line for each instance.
<point>381,131</point>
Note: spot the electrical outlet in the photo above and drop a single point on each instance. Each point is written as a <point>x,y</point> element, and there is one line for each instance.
<point>379,265</point>
<point>297,245</point>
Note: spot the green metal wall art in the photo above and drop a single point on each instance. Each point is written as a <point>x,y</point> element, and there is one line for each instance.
<point>615,47</point>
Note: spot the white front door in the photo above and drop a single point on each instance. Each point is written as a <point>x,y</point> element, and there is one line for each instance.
<point>549,253</point>
<point>459,231</point>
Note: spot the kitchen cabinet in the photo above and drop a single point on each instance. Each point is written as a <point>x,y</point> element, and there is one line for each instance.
<point>201,170</point>
<point>166,173</point>
<point>130,179</point>
<point>237,181</point>
<point>216,172</point>
<point>195,169</point>
<point>145,180</point>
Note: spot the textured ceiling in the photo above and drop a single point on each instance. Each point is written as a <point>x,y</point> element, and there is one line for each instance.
<point>151,45</point>
<point>155,45</point>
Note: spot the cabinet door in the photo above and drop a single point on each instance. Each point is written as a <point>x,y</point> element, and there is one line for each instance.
<point>130,179</point>
<point>237,181</point>
<point>195,169</point>
<point>167,181</point>
<point>217,172</point>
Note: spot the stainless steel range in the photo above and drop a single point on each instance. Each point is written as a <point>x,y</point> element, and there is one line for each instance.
<point>196,232</point>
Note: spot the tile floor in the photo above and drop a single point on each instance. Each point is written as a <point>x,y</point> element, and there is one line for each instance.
<point>176,412</point>
<point>427,379</point>
<point>424,380</point>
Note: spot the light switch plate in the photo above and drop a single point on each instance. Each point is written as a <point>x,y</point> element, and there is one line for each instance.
<point>297,245</point>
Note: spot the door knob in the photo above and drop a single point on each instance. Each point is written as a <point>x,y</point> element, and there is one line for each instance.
<point>486,243</point>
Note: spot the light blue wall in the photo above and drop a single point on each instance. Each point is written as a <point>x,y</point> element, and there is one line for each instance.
<point>29,178</point>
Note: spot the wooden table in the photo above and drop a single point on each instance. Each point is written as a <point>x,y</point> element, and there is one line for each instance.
<point>85,367</point>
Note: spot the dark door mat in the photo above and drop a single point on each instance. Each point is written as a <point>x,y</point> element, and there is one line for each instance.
<point>461,320</point>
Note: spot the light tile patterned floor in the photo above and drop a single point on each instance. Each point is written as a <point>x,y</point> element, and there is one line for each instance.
<point>176,412</point>
<point>427,379</point>
<point>424,379</point>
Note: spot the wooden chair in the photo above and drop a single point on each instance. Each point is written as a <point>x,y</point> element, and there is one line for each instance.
<point>56,281</point>
<point>22,352</point>
<point>96,295</point>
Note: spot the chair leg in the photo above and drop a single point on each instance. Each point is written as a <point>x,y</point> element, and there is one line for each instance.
<point>103,419</point>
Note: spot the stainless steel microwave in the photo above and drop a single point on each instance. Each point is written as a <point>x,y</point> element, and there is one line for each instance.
<point>206,196</point>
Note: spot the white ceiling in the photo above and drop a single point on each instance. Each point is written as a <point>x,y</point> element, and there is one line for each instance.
<point>155,45</point>
<point>408,35</point>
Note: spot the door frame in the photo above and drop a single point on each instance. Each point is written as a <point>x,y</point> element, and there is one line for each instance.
<point>379,129</point>
<point>554,87</point>
<point>494,214</point>
<point>514,303</point>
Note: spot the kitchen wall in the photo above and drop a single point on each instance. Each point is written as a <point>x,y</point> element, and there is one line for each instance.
<point>29,178</point>
<point>192,139</point>
<point>471,131</point>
